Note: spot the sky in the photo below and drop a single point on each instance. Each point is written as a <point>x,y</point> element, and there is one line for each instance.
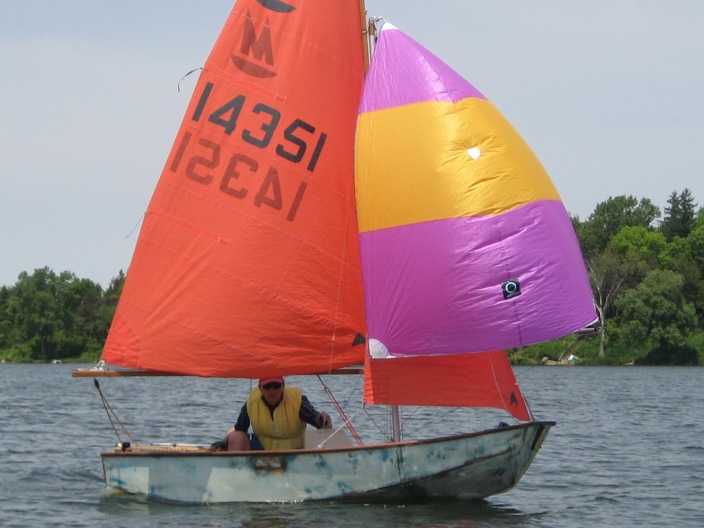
<point>608,93</point>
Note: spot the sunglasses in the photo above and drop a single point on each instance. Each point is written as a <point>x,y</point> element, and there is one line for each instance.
<point>272,385</point>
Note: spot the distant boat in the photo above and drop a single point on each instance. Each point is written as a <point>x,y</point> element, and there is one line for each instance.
<point>591,328</point>
<point>56,361</point>
<point>293,234</point>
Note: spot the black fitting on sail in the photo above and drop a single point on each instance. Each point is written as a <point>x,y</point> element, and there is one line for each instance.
<point>511,288</point>
<point>359,339</point>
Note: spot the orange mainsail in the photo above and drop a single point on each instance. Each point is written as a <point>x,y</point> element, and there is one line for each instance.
<point>247,263</point>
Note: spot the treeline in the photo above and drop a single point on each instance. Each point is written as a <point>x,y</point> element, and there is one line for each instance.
<point>46,316</point>
<point>646,270</point>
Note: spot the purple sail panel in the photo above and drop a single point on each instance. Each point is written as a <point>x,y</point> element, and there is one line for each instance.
<point>404,72</point>
<point>436,287</point>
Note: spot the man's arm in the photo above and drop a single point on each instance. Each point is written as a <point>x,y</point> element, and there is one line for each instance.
<point>309,415</point>
<point>243,420</point>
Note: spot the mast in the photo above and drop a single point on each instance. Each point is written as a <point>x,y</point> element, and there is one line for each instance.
<point>366,32</point>
<point>396,423</point>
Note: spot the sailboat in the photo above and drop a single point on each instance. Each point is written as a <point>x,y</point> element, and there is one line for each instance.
<point>321,212</point>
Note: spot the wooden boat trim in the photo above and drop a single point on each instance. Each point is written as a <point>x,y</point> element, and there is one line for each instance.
<point>176,451</point>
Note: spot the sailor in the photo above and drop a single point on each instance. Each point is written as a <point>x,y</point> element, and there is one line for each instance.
<point>278,416</point>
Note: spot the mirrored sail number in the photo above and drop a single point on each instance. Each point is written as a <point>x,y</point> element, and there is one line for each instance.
<point>206,155</point>
<point>199,165</point>
<point>228,115</point>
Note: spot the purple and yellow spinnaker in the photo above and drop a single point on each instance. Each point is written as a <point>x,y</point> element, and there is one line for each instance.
<point>466,245</point>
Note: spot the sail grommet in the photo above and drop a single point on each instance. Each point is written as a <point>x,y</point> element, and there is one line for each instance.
<point>511,288</point>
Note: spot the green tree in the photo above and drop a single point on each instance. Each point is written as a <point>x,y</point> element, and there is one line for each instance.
<point>110,298</point>
<point>6,326</point>
<point>637,242</point>
<point>628,257</point>
<point>657,312</point>
<point>35,312</point>
<point>87,330</point>
<point>677,249</point>
<point>47,316</point>
<point>113,291</point>
<point>609,275</point>
<point>54,315</point>
<point>695,246</point>
<point>693,285</point>
<point>679,215</point>
<point>698,219</point>
<point>610,217</point>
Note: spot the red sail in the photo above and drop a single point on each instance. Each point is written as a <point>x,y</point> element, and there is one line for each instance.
<point>248,263</point>
<point>481,379</point>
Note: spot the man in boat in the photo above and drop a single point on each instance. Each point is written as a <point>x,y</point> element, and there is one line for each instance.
<point>278,416</point>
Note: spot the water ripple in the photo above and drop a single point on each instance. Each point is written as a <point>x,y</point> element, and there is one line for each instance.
<point>627,451</point>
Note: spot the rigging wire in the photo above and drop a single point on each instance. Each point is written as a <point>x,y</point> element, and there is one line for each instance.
<point>141,218</point>
<point>384,430</point>
<point>527,369</point>
<point>346,420</point>
<point>112,416</point>
<point>433,420</point>
<point>353,391</point>
<point>346,423</point>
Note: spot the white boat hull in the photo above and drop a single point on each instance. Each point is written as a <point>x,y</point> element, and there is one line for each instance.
<point>470,466</point>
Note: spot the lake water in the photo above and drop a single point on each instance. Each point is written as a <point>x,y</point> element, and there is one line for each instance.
<point>628,450</point>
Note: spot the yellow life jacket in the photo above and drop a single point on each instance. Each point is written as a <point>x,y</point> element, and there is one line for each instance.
<point>286,430</point>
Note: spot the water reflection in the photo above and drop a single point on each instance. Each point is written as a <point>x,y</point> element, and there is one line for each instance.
<point>434,514</point>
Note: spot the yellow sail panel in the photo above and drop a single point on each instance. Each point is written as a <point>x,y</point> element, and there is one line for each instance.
<point>443,160</point>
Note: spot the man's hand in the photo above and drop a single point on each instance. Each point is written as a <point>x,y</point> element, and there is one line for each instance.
<point>324,421</point>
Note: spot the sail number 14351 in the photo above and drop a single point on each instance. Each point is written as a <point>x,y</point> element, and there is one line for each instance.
<point>293,148</point>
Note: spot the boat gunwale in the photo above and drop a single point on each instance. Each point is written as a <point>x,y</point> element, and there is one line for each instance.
<point>175,452</point>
